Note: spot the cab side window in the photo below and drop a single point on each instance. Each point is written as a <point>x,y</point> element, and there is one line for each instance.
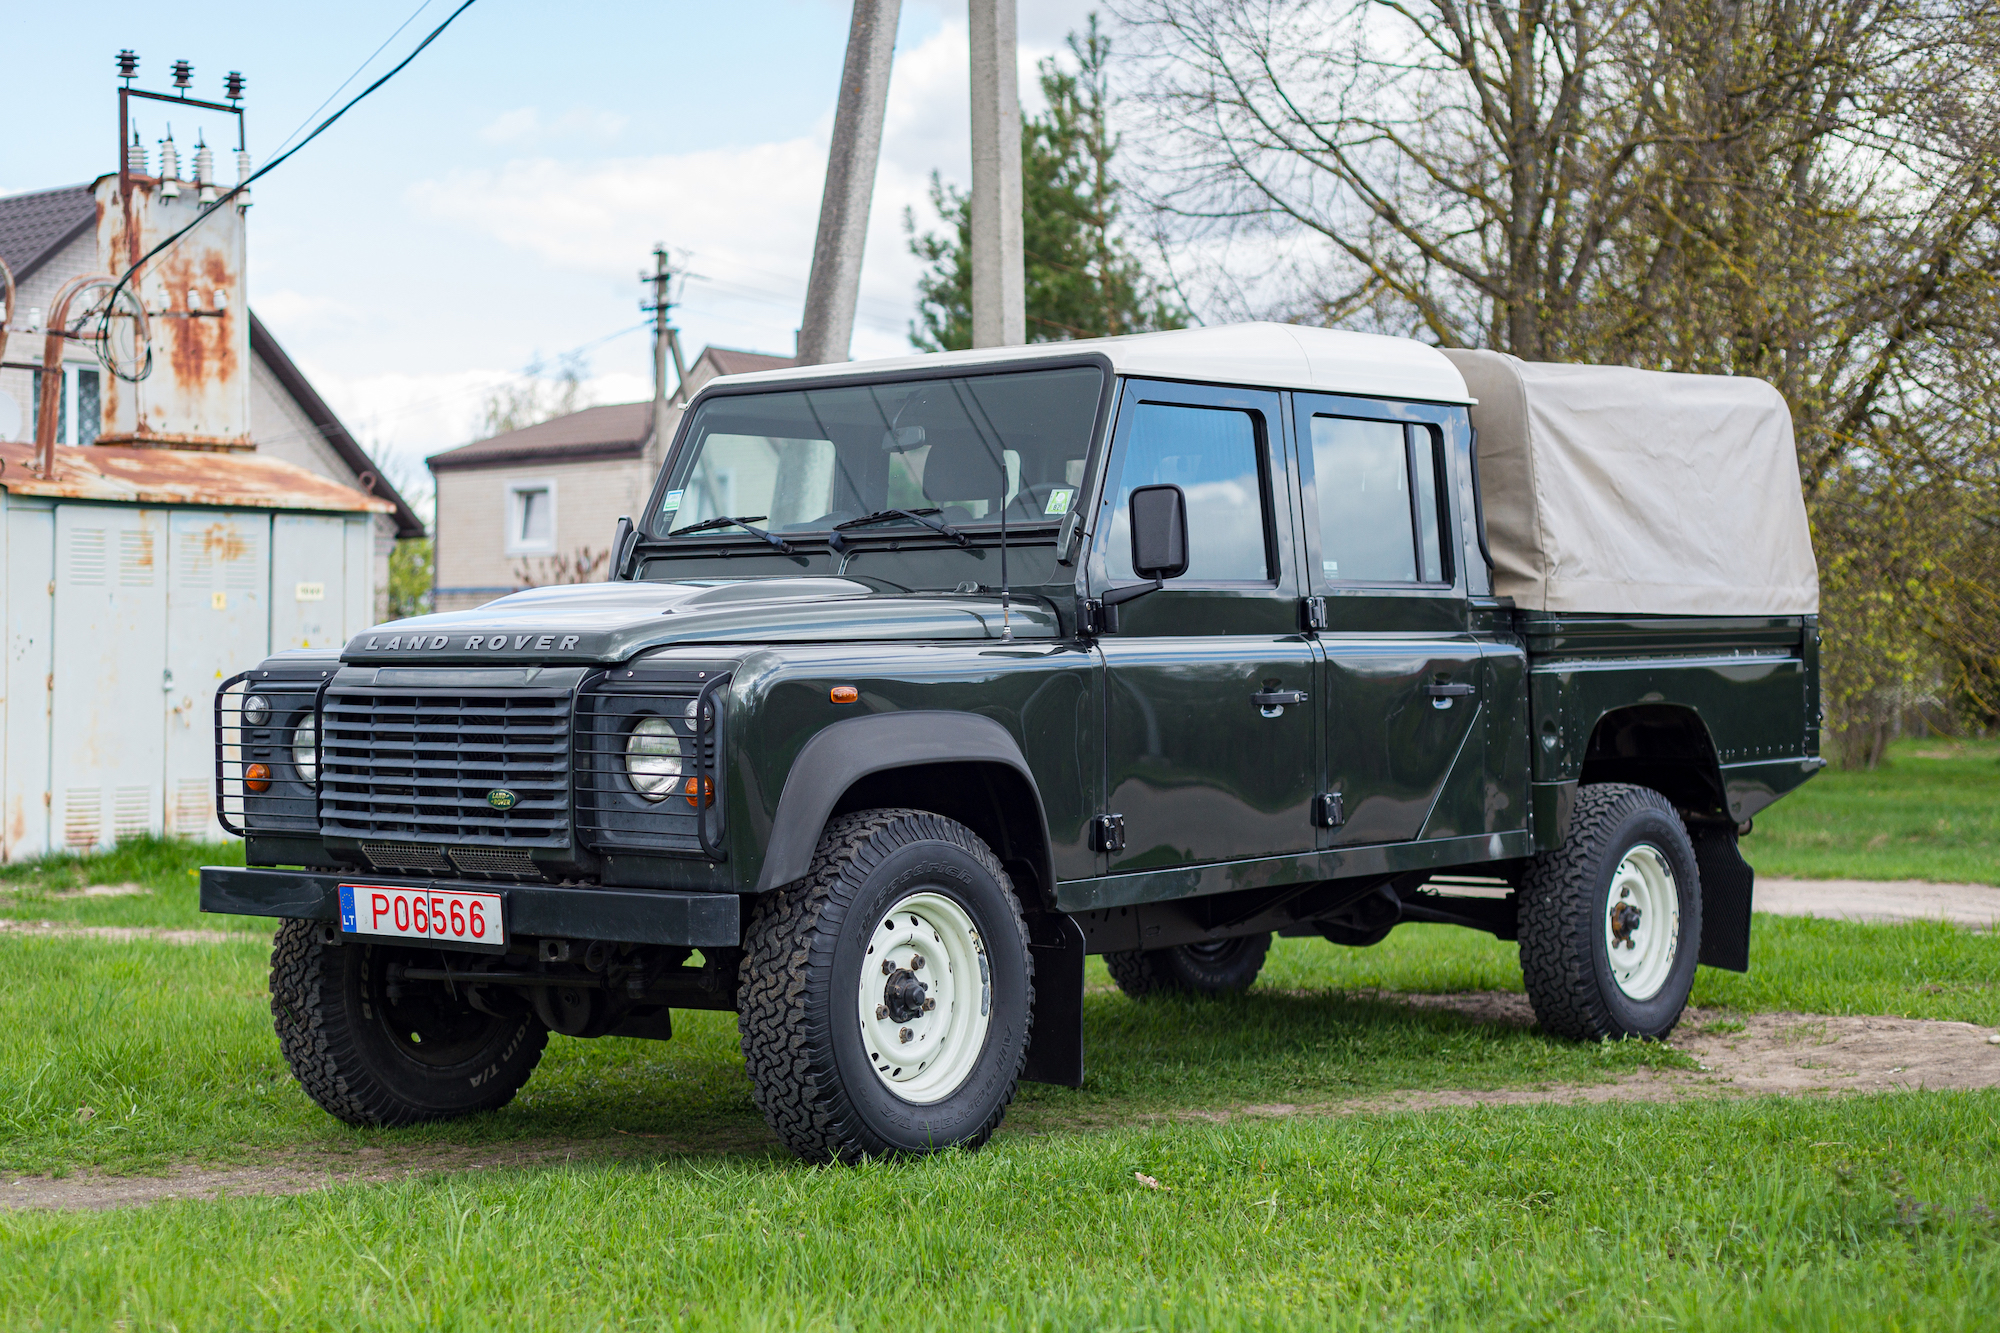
<point>1212,454</point>
<point>1378,486</point>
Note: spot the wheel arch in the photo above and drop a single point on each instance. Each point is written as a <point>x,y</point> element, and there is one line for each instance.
<point>1666,747</point>
<point>960,765</point>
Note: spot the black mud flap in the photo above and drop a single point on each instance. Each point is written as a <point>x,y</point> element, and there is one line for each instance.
<point>1726,882</point>
<point>1055,1038</point>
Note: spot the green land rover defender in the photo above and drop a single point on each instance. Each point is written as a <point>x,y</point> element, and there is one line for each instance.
<point>920,680</point>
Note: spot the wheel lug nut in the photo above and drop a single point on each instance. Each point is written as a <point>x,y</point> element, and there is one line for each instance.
<point>881,1011</point>
<point>906,1034</point>
<point>887,967</point>
<point>929,1004</point>
<point>916,962</point>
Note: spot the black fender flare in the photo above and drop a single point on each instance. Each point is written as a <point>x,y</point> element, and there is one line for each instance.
<point>857,747</point>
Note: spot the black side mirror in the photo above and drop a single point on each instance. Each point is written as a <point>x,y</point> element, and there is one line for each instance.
<point>1159,532</point>
<point>621,549</point>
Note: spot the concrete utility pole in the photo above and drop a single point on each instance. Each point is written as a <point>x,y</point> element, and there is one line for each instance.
<point>999,282</point>
<point>835,284</point>
<point>665,339</point>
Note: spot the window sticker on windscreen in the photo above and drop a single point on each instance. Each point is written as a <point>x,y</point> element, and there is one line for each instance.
<point>1058,501</point>
<point>672,503</point>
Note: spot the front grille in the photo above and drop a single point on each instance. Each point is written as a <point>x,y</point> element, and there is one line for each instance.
<point>420,766</point>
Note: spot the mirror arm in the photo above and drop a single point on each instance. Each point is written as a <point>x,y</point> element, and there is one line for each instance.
<point>1130,592</point>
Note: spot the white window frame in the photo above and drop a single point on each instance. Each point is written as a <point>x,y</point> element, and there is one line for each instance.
<point>510,515</point>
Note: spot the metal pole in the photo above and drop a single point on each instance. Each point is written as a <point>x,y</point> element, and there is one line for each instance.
<point>831,291</point>
<point>999,286</point>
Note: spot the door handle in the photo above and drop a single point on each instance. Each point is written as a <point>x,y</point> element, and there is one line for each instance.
<point>1272,702</point>
<point>1442,695</point>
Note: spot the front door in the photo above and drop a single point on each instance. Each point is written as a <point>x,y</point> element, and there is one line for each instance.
<point>1200,768</point>
<point>1401,677</point>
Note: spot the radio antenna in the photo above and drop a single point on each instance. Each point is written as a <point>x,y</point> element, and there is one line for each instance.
<point>984,425</point>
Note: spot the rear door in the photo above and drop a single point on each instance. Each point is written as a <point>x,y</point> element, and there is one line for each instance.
<point>1401,677</point>
<point>1200,770</point>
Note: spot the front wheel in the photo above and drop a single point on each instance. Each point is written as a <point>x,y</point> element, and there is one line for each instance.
<point>885,998</point>
<point>374,1049</point>
<point>1611,921</point>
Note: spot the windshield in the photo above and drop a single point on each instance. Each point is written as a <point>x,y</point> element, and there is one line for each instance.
<point>808,459</point>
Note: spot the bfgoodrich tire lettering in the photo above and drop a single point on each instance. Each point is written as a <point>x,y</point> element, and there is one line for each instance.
<point>373,1060</point>
<point>1565,900</point>
<point>809,949</point>
<point>1218,967</point>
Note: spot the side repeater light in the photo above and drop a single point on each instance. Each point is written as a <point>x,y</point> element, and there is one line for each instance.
<point>844,694</point>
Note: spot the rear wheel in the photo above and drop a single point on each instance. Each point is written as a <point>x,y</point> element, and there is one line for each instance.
<point>375,1051</point>
<point>1611,921</point>
<point>1212,967</point>
<point>885,998</point>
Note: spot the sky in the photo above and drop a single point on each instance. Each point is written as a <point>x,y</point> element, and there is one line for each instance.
<point>491,207</point>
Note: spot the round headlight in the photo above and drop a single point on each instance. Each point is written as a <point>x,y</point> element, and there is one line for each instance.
<point>256,710</point>
<point>305,749</point>
<point>653,758</point>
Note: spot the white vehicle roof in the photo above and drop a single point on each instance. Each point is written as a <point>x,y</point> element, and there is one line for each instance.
<point>1277,356</point>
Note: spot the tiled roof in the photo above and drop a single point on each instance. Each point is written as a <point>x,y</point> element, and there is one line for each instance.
<point>35,225</point>
<point>619,429</point>
<point>729,361</point>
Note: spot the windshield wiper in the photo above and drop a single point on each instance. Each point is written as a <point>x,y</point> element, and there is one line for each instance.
<point>914,515</point>
<point>744,521</point>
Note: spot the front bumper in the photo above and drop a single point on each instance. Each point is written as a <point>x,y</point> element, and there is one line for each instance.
<point>622,916</point>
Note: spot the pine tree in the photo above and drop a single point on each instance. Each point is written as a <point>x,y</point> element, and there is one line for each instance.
<point>1082,279</point>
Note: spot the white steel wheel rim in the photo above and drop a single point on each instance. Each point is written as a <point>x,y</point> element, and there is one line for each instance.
<point>1642,922</point>
<point>923,1044</point>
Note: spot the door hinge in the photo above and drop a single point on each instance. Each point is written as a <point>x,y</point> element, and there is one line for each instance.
<point>1107,833</point>
<point>1312,613</point>
<point>1329,810</point>
<point>1097,618</point>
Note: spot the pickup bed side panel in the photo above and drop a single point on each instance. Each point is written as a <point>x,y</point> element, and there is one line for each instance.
<point>1740,686</point>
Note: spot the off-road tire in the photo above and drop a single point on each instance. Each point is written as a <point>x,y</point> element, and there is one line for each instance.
<point>796,1014</point>
<point>1562,899</point>
<point>336,1029</point>
<point>1220,967</point>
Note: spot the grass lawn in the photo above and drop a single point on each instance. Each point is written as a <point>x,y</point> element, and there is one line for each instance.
<point>1932,812</point>
<point>680,1211</point>
<point>170,1045</point>
<point>1864,1212</point>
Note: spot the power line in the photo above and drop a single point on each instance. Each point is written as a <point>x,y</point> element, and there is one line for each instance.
<point>111,302</point>
<point>355,75</point>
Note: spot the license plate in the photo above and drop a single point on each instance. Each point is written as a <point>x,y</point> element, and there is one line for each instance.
<point>422,914</point>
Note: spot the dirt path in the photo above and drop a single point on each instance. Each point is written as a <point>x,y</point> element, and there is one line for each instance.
<point>122,934</point>
<point>1976,905</point>
<point>1790,1054</point>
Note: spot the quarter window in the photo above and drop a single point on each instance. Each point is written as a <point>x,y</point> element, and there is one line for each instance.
<point>1212,455</point>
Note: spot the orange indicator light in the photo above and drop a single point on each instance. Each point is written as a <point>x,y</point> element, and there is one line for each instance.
<point>700,794</point>
<point>844,694</point>
<point>257,777</point>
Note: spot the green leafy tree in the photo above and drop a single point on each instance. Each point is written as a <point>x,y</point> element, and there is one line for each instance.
<point>412,574</point>
<point>1082,279</point>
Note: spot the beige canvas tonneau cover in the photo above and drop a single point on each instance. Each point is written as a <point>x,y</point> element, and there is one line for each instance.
<point>1639,492</point>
